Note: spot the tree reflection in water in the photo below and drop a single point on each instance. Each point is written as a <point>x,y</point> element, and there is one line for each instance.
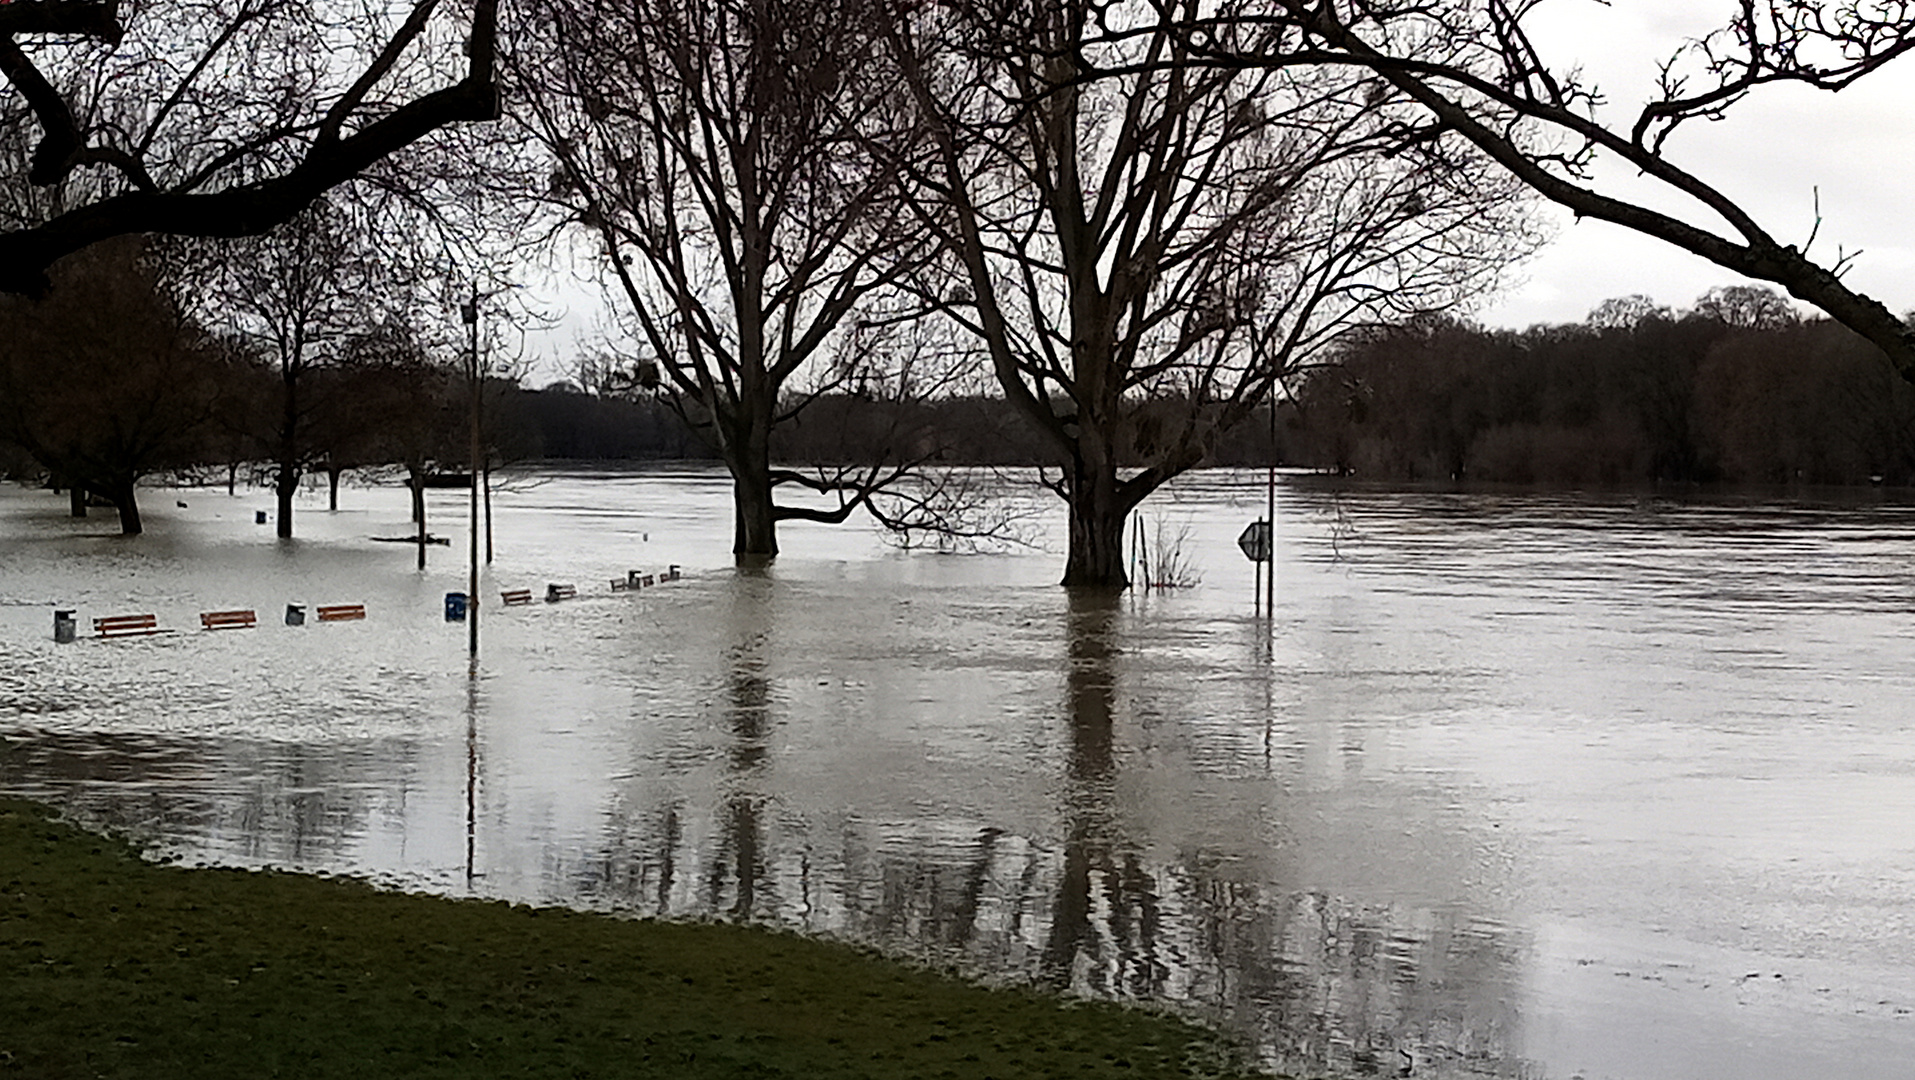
<point>1081,890</point>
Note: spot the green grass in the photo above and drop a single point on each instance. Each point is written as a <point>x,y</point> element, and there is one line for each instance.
<point>113,966</point>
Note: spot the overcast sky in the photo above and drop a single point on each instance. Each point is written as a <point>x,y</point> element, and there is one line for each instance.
<point>1771,154</point>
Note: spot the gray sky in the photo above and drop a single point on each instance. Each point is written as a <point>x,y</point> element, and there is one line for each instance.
<point>1771,154</point>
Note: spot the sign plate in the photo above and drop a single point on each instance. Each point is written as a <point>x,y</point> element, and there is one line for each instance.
<point>1255,541</point>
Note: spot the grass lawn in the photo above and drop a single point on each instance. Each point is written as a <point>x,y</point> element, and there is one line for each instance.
<point>113,966</point>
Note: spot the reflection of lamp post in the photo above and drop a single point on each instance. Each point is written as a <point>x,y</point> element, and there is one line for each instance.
<point>470,313</point>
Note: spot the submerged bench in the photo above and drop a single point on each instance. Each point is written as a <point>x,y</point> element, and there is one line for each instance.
<point>340,612</point>
<point>515,597</point>
<point>125,625</point>
<point>555,593</point>
<point>227,620</point>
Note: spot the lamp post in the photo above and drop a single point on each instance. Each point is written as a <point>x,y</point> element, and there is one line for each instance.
<point>470,313</point>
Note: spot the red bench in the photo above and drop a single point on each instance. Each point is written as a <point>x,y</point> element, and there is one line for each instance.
<point>227,620</point>
<point>555,593</point>
<point>516,597</point>
<point>125,625</point>
<point>340,612</point>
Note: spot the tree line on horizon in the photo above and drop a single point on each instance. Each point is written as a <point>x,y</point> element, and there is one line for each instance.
<point>1736,390</point>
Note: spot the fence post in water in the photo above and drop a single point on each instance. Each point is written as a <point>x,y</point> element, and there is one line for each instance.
<point>64,626</point>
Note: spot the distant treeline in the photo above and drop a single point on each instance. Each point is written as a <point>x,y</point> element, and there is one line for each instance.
<point>1736,391</point>
<point>560,422</point>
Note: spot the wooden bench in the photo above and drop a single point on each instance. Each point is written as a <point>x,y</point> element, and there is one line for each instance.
<point>621,584</point>
<point>125,625</point>
<point>227,620</point>
<point>340,612</point>
<point>671,574</point>
<point>648,581</point>
<point>555,593</point>
<point>515,597</point>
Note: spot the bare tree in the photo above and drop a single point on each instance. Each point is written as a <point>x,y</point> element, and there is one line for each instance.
<point>214,117</point>
<point>293,296</point>
<point>108,380</point>
<point>719,156</point>
<point>1474,69</point>
<point>1148,248</point>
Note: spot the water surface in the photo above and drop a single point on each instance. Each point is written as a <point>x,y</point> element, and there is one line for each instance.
<point>1517,785</point>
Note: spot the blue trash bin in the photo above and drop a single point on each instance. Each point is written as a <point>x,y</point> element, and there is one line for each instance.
<point>455,607</point>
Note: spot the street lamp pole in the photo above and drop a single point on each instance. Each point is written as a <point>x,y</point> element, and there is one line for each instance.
<point>473,376</point>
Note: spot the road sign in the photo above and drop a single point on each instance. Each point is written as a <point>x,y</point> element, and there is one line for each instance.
<point>1255,541</point>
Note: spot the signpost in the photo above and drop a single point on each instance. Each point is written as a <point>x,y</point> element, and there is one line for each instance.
<point>1259,547</point>
<point>1255,542</point>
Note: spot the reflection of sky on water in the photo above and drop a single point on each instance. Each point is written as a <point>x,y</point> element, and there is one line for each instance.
<point>1535,787</point>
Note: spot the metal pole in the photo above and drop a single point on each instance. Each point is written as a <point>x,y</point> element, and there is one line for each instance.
<point>1270,510</point>
<point>472,528</point>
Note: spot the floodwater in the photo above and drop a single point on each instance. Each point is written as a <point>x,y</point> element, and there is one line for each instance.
<point>1517,786</point>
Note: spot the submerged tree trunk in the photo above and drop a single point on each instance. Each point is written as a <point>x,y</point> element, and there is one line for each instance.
<point>284,485</point>
<point>232,475</point>
<point>418,481</point>
<point>754,514</point>
<point>332,486</point>
<point>76,500</point>
<point>755,529</point>
<point>122,496</point>
<point>1098,513</point>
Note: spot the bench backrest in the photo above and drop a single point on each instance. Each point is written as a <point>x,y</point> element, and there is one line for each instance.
<point>559,592</point>
<point>340,612</point>
<point>513,597</point>
<point>227,620</point>
<point>113,625</point>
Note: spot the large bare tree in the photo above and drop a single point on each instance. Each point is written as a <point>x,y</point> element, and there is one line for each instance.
<point>1475,69</point>
<point>215,117</point>
<point>718,157</point>
<point>1148,247</point>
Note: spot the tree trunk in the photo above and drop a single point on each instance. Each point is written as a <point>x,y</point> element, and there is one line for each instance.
<point>748,456</point>
<point>122,496</point>
<point>1097,518</point>
<point>284,485</point>
<point>755,531</point>
<point>418,481</point>
<point>232,475</point>
<point>76,500</point>
<point>332,486</point>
